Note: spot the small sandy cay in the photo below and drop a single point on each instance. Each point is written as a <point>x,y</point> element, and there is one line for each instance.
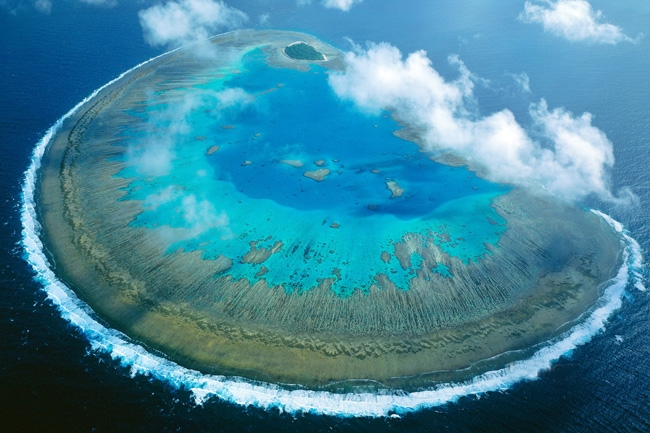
<point>317,175</point>
<point>395,189</point>
<point>212,149</point>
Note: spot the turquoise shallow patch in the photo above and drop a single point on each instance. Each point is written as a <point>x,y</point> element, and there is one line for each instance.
<point>269,158</point>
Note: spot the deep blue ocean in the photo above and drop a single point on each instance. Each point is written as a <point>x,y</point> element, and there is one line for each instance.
<point>50,380</point>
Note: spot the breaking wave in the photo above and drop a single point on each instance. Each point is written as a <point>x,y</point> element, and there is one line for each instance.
<point>266,395</point>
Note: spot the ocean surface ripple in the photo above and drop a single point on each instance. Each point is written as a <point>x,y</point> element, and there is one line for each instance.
<point>266,395</point>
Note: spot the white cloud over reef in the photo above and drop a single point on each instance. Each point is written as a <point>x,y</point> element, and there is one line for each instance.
<point>100,2</point>
<point>178,23</point>
<point>574,20</point>
<point>198,214</point>
<point>43,6</point>
<point>343,5</point>
<point>522,80</point>
<point>169,128</point>
<point>166,131</point>
<point>562,154</point>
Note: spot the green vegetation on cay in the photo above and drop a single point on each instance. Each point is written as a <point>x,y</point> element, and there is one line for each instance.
<point>303,51</point>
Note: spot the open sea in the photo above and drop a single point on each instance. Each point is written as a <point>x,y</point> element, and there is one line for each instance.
<point>51,379</point>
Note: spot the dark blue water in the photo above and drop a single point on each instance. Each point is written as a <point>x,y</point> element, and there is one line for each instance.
<point>49,381</point>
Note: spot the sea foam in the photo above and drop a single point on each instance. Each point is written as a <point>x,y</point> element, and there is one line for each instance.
<point>266,396</point>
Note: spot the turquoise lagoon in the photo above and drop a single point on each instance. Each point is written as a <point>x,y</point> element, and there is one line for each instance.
<point>238,149</point>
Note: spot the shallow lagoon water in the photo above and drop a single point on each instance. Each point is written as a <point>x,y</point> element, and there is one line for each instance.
<point>247,141</point>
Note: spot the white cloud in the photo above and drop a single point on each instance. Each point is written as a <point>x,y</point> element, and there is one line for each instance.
<point>15,7</point>
<point>343,5</point>
<point>201,215</point>
<point>108,3</point>
<point>564,155</point>
<point>43,6</point>
<point>264,19</point>
<point>574,20</point>
<point>198,215</point>
<point>522,80</point>
<point>178,23</point>
<point>153,156</point>
<point>233,97</point>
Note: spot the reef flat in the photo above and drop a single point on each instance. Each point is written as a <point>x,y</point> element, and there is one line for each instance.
<point>236,268</point>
